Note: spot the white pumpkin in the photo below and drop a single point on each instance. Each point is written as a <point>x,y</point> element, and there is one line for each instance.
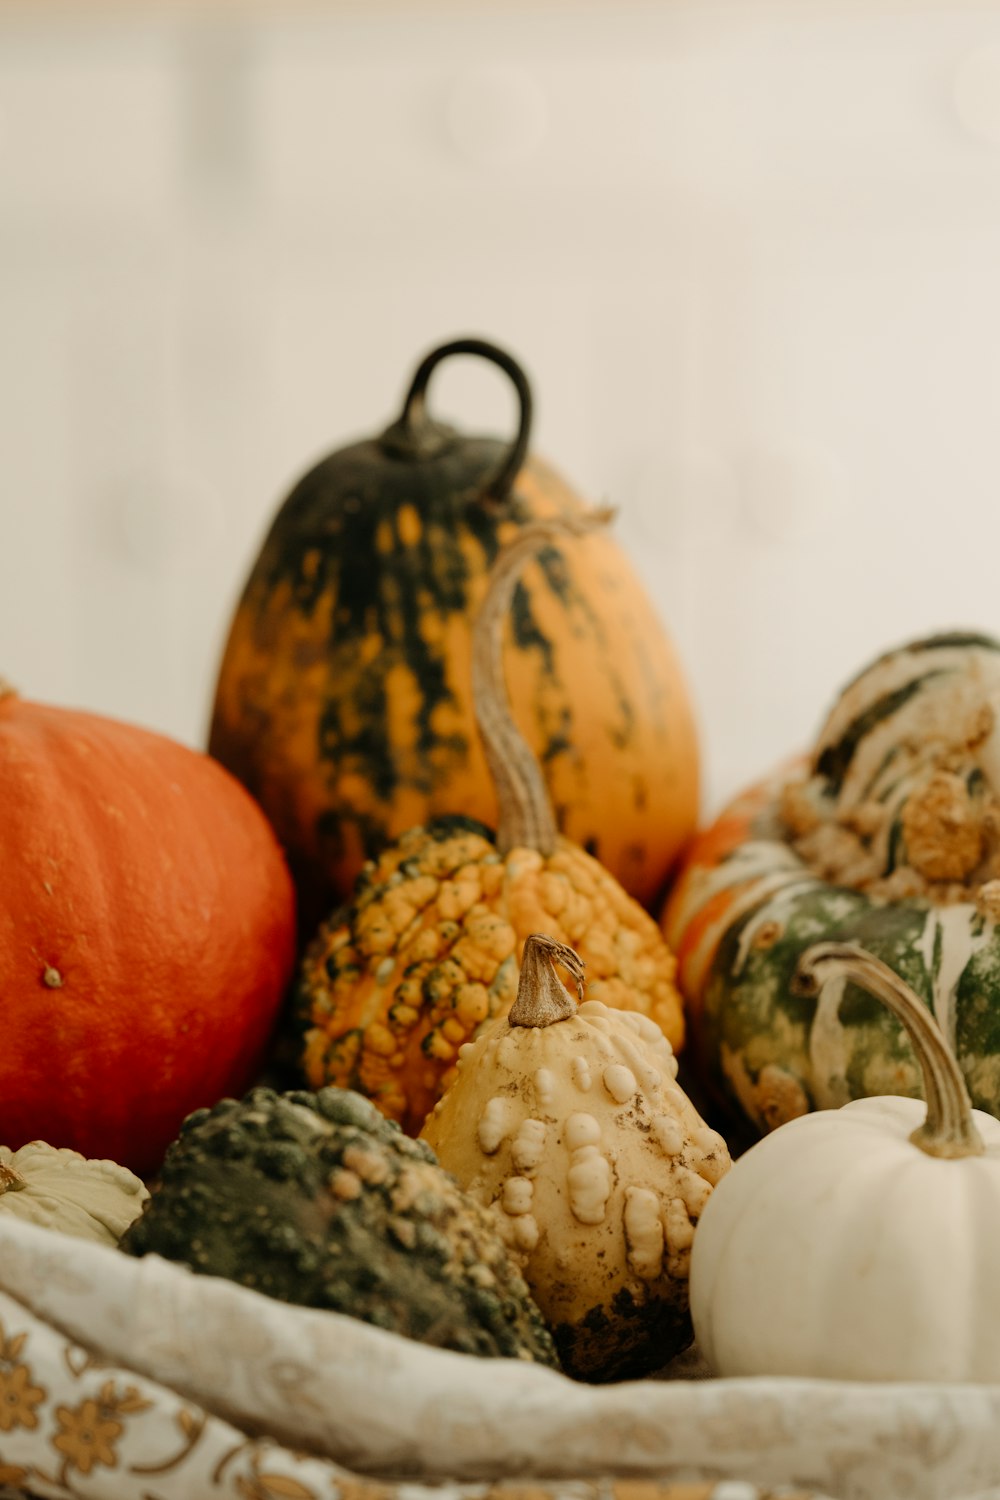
<point>568,1124</point>
<point>60,1189</point>
<point>859,1243</point>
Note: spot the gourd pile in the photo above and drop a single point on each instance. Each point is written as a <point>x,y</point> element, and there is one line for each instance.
<point>380,995</point>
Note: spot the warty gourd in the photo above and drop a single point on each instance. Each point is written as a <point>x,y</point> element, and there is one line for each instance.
<point>887,836</point>
<point>567,1121</point>
<point>392,986</point>
<point>317,1199</point>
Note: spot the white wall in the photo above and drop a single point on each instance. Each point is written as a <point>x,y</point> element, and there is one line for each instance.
<point>749,252</point>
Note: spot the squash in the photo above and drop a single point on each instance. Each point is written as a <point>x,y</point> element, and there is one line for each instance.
<point>62,1190</point>
<point>343,700</point>
<point>147,933</point>
<point>316,1199</point>
<point>889,836</point>
<point>566,1120</point>
<point>857,1244</point>
<point>392,986</point>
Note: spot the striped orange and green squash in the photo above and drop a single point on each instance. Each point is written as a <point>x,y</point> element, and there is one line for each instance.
<point>343,699</point>
<point>397,981</point>
<point>889,836</point>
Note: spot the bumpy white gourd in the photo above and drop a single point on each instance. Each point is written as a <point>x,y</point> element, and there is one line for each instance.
<point>60,1189</point>
<point>860,1243</point>
<point>569,1124</point>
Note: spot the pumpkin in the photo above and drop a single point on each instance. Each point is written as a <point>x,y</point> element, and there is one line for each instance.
<point>566,1120</point>
<point>147,933</point>
<point>60,1189</point>
<point>888,835</point>
<point>343,699</point>
<point>857,1244</point>
<point>393,985</point>
<point>317,1199</point>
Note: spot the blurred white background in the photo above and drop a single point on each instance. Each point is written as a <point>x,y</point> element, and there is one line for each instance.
<point>748,252</point>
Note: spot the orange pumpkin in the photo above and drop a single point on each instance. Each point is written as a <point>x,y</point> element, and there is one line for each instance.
<point>147,931</point>
<point>343,699</point>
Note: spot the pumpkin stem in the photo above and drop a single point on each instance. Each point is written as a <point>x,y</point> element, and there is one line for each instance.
<point>417,436</point>
<point>7,689</point>
<point>949,1129</point>
<point>526,819</point>
<point>542,998</point>
<point>10,1178</point>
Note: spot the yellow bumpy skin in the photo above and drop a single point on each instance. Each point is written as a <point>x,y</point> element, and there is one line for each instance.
<point>393,986</point>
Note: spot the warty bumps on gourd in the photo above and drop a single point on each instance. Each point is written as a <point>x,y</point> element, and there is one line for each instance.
<point>888,835</point>
<point>317,1199</point>
<point>566,1120</point>
<point>393,985</point>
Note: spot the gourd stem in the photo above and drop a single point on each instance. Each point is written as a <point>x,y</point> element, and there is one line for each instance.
<point>10,1178</point>
<point>7,689</point>
<point>542,998</point>
<point>949,1129</point>
<point>525,816</point>
<point>415,435</point>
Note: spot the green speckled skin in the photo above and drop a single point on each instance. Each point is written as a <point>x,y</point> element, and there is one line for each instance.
<point>344,696</point>
<point>752,1020</point>
<point>316,1198</point>
<point>757,890</point>
<point>751,1012</point>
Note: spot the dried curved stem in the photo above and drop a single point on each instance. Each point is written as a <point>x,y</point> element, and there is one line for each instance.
<point>542,998</point>
<point>7,689</point>
<point>949,1129</point>
<point>526,819</point>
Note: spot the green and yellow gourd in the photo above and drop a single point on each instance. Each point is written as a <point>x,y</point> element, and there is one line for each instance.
<point>889,837</point>
<point>343,699</point>
<point>394,983</point>
<point>316,1199</point>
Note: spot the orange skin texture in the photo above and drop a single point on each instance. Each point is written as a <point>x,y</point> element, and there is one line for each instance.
<point>694,923</point>
<point>392,988</point>
<point>147,932</point>
<point>623,777</point>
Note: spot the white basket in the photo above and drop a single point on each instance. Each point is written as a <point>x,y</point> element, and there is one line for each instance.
<point>140,1378</point>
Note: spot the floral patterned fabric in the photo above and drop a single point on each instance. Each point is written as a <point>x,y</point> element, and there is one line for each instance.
<point>71,1425</point>
<point>135,1380</point>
